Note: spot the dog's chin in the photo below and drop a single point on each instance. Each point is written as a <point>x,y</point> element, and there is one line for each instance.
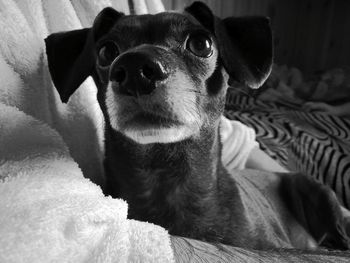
<point>158,135</point>
<point>147,128</point>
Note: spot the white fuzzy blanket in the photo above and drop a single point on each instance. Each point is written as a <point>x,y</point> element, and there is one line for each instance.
<point>48,211</point>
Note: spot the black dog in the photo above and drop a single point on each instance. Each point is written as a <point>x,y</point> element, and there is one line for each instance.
<point>162,82</point>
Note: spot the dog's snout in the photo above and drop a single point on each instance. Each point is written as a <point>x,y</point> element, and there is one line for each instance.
<point>152,71</point>
<point>137,73</point>
<point>119,74</point>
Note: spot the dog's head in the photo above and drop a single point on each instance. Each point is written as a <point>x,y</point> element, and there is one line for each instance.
<point>162,78</point>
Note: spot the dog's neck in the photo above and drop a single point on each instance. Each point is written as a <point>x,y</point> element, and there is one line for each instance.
<point>173,185</point>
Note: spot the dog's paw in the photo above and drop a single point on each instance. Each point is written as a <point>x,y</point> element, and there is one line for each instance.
<point>316,207</point>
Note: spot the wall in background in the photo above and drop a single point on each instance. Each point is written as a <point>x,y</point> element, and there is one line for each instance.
<point>309,34</point>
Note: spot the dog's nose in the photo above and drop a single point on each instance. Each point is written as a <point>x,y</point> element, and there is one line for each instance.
<point>136,73</point>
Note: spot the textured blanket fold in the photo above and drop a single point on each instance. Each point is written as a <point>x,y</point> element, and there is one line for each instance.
<point>315,144</point>
<point>48,211</point>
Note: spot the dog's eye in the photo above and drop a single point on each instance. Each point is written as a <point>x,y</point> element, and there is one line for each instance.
<point>107,53</point>
<point>200,45</point>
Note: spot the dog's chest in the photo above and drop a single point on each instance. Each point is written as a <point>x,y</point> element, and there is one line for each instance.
<point>163,196</point>
<point>155,193</point>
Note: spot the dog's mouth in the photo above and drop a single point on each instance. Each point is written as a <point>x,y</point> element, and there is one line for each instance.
<point>148,120</point>
<point>164,117</point>
<point>145,128</point>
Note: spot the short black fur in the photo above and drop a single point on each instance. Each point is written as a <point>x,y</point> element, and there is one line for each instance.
<point>181,186</point>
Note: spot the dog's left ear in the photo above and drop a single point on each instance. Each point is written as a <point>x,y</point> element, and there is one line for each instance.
<point>245,44</point>
<point>71,55</point>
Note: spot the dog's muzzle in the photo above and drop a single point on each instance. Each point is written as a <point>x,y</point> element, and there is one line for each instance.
<point>145,97</point>
<point>137,71</point>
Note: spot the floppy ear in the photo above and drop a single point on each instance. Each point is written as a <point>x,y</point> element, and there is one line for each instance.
<point>245,44</point>
<point>71,55</point>
<point>316,207</point>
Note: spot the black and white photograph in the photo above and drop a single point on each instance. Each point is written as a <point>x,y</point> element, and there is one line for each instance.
<point>174,131</point>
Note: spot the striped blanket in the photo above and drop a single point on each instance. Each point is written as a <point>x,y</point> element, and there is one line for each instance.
<point>315,144</point>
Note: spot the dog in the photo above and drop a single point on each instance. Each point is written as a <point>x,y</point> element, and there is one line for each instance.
<point>162,81</point>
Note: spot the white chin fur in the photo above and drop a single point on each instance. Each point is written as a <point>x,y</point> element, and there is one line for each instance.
<point>162,135</point>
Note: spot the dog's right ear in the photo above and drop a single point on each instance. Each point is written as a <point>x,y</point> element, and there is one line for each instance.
<point>71,55</point>
<point>245,44</point>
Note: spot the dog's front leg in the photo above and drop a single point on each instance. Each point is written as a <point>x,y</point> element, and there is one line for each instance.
<point>317,208</point>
